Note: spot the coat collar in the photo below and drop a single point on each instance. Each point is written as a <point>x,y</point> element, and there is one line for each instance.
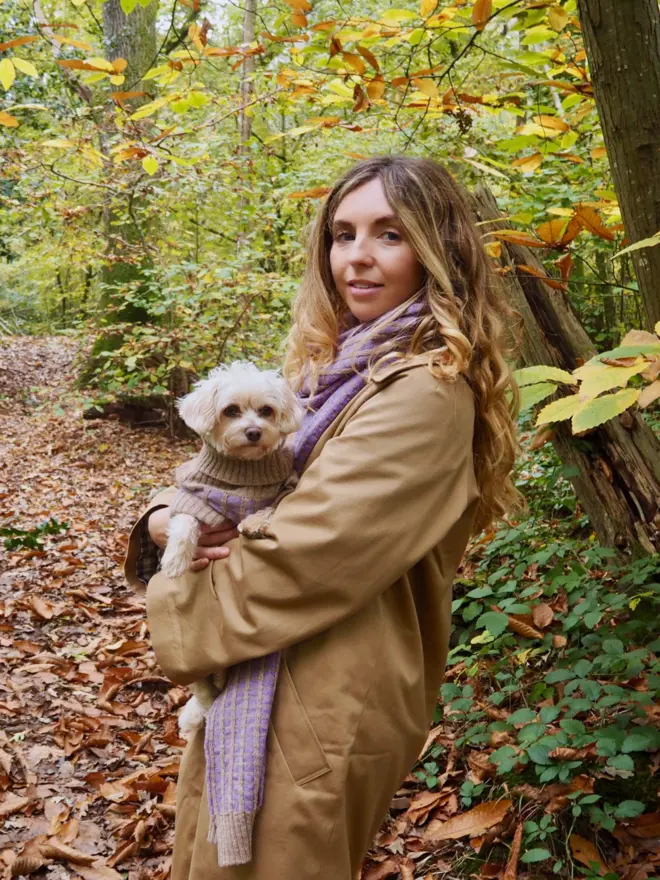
<point>384,375</point>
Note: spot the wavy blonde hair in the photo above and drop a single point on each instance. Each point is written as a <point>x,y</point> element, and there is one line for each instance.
<point>462,324</point>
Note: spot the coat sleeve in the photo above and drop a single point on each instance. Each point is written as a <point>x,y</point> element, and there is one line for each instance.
<point>378,498</point>
<point>142,555</point>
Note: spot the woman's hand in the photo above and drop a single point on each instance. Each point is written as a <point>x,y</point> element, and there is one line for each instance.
<point>211,540</point>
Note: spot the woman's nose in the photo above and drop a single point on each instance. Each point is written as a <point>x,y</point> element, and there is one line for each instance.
<point>360,252</point>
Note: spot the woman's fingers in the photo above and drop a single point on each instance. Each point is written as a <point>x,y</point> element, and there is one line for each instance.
<point>199,564</point>
<point>214,537</point>
<point>206,555</point>
<point>211,552</point>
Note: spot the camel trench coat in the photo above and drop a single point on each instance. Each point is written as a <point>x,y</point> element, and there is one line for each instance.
<point>354,588</point>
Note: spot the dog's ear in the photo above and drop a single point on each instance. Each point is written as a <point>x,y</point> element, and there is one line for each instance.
<point>291,412</point>
<point>198,409</point>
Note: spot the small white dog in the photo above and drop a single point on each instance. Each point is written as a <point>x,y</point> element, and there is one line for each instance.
<point>243,416</point>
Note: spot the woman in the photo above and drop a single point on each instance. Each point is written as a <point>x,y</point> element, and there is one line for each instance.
<point>406,450</point>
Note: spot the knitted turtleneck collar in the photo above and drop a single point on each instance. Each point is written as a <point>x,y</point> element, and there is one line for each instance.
<point>272,468</point>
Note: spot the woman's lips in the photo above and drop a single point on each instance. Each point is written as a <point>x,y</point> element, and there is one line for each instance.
<point>362,291</point>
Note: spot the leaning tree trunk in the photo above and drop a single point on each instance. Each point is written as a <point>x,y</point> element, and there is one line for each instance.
<point>617,465</point>
<point>622,40</point>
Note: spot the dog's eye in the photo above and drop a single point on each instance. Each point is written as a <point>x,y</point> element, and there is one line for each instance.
<point>266,412</point>
<point>232,411</point>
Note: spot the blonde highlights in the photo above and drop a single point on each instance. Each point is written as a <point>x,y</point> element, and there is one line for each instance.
<point>462,324</point>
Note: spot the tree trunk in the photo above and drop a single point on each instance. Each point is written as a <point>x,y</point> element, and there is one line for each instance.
<point>622,40</point>
<point>133,38</point>
<point>245,119</point>
<point>617,465</point>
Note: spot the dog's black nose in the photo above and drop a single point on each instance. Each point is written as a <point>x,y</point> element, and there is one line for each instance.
<point>253,434</point>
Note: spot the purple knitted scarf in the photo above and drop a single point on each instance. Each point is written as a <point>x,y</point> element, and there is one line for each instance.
<point>237,723</point>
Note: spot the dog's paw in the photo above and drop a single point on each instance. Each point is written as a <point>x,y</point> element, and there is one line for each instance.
<point>173,566</point>
<point>256,525</point>
<point>191,718</point>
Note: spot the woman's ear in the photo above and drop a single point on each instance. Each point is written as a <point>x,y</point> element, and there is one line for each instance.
<point>291,413</point>
<point>198,409</point>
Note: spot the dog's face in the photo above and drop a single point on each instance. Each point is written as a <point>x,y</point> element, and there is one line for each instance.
<point>242,411</point>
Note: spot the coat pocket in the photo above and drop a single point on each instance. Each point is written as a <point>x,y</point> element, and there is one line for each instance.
<point>302,751</point>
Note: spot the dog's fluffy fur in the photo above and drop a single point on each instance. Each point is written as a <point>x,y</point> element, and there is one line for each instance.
<point>243,412</point>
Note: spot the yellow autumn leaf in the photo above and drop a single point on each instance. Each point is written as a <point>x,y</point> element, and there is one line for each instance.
<point>427,87</point>
<point>79,44</point>
<point>150,164</point>
<point>102,64</point>
<point>598,153</point>
<point>299,5</point>
<point>25,67</point>
<point>481,12</point>
<point>427,7</point>
<point>526,164</point>
<point>148,109</point>
<point>376,88</point>
<point>393,16</point>
<point>59,143</point>
<point>552,122</point>
<point>7,73</point>
<point>8,120</point>
<point>558,18</point>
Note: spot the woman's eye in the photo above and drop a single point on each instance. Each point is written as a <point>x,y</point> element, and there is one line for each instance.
<point>266,412</point>
<point>231,411</point>
<point>390,235</point>
<point>342,236</point>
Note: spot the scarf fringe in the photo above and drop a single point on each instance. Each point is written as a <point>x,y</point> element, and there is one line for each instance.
<point>232,835</point>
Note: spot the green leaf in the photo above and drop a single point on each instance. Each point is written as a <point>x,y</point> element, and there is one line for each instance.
<point>128,6</point>
<point>591,618</point>
<point>494,621</point>
<point>556,675</point>
<point>602,409</point>
<point>531,732</point>
<point>629,809</point>
<point>574,728</point>
<point>613,646</point>
<point>7,74</point>
<point>522,716</point>
<point>535,855</point>
<point>533,375</point>
<point>653,241</point>
<point>150,164</point>
<point>622,762</point>
<point>641,740</point>
<point>549,713</point>
<point>539,754</point>
<point>559,410</point>
<point>505,758</point>
<point>530,395</point>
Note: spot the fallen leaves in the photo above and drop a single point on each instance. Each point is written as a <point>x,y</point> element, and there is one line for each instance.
<point>470,824</point>
<point>89,750</point>
<point>585,852</point>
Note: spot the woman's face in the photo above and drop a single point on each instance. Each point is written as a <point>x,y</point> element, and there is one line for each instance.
<point>373,266</point>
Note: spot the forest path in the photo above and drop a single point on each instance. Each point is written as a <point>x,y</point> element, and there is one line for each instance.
<point>88,745</point>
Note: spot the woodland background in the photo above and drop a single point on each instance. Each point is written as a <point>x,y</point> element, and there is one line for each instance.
<point>160,164</point>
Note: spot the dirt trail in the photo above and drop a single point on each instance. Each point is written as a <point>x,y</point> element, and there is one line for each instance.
<point>88,748</point>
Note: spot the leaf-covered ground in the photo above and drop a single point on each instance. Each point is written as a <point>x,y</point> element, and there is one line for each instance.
<point>542,763</point>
